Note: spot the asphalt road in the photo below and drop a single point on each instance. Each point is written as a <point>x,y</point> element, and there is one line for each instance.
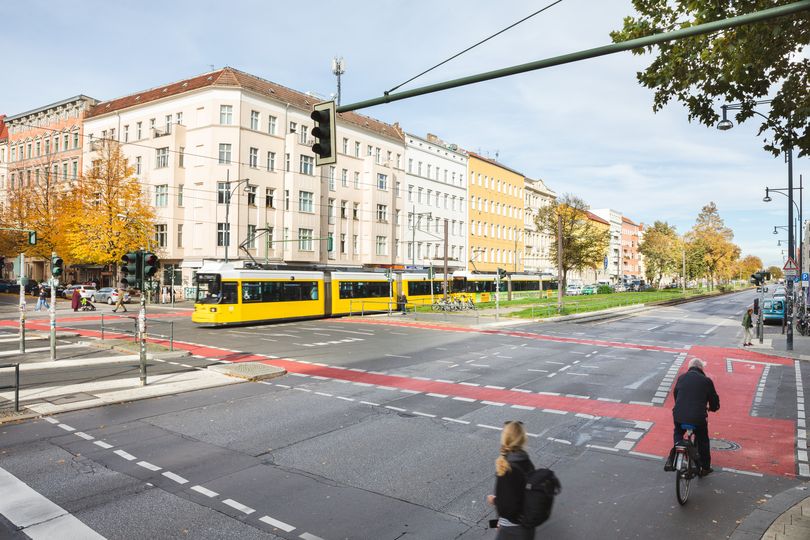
<point>384,429</point>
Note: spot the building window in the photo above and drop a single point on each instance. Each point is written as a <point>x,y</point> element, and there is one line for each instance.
<point>223,234</point>
<point>271,161</point>
<point>168,124</point>
<point>161,235</point>
<point>345,145</point>
<point>126,139</point>
<point>399,189</point>
<point>382,213</point>
<point>226,114</point>
<point>64,172</point>
<point>179,118</point>
<point>179,235</point>
<point>180,195</point>
<point>382,245</point>
<point>269,194</point>
<point>286,199</point>
<point>307,165</point>
<point>161,157</point>
<point>75,140</point>
<point>355,211</point>
<point>305,201</point>
<point>181,157</point>
<point>254,120</point>
<point>355,245</point>
<point>356,149</point>
<point>331,178</point>
<point>293,127</point>
<point>382,182</point>
<point>304,239</point>
<point>287,162</point>
<point>251,237</point>
<point>356,180</point>
<point>223,192</point>
<point>343,243</point>
<point>343,206</point>
<point>162,196</point>
<point>138,163</point>
<point>271,125</point>
<point>302,135</point>
<point>151,127</point>
<point>251,194</point>
<point>344,178</point>
<point>253,157</point>
<point>224,153</point>
<point>410,193</point>
<point>331,211</point>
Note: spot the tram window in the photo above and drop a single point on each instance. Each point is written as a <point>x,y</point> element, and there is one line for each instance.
<point>363,289</point>
<point>279,291</point>
<point>229,293</point>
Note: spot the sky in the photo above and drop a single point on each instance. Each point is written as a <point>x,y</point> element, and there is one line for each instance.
<point>585,128</point>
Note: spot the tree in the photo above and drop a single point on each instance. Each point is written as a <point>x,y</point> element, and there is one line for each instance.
<point>742,64</point>
<point>713,239</point>
<point>584,242</point>
<point>110,214</point>
<point>661,248</point>
<point>748,265</point>
<point>776,272</point>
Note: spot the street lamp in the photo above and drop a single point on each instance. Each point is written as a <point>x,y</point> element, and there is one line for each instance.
<point>724,125</point>
<point>228,209</point>
<point>799,209</point>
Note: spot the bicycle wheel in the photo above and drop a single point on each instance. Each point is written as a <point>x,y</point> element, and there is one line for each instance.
<point>682,479</point>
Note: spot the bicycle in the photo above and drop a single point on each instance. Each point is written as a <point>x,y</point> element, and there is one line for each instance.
<point>685,464</point>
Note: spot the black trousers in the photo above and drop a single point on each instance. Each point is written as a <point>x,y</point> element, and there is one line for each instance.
<point>701,439</point>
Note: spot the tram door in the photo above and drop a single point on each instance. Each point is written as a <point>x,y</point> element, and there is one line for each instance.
<point>327,294</point>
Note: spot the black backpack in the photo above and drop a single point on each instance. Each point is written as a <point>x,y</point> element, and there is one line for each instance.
<point>541,487</point>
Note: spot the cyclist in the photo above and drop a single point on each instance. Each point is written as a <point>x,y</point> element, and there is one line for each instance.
<point>695,394</point>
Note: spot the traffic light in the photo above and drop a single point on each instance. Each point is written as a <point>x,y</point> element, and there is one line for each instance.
<point>502,273</point>
<point>431,273</point>
<point>150,264</point>
<point>325,146</point>
<point>129,270</point>
<point>57,265</point>
<point>32,238</point>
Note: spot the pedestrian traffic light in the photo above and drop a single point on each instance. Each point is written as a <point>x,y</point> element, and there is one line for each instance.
<point>431,273</point>
<point>325,147</point>
<point>502,273</point>
<point>129,268</point>
<point>32,238</point>
<point>150,264</point>
<point>57,266</point>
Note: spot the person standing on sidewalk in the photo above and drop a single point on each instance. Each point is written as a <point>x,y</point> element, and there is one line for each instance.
<point>511,468</point>
<point>120,302</point>
<point>747,324</point>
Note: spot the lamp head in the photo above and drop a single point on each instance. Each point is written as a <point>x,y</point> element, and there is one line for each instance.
<point>774,230</point>
<point>767,197</point>
<point>725,124</point>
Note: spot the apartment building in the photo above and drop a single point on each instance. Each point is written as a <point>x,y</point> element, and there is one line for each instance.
<point>496,216</point>
<point>436,178</point>
<point>226,159</point>
<point>615,266</point>
<point>536,256</point>
<point>3,168</point>
<point>599,274</point>
<point>631,237</point>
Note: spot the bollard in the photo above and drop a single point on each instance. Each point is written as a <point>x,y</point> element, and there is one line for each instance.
<point>102,327</point>
<point>171,335</point>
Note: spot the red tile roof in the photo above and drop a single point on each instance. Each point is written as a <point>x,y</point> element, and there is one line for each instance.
<point>3,128</point>
<point>594,217</point>
<point>230,77</point>
<point>627,220</point>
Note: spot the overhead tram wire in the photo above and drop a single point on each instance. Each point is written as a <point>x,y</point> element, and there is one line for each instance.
<point>473,46</point>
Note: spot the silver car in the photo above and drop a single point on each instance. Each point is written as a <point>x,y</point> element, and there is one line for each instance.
<point>108,295</point>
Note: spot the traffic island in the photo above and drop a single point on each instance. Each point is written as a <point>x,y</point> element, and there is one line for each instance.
<point>250,371</point>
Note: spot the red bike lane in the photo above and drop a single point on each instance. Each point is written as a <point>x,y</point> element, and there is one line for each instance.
<point>765,445</point>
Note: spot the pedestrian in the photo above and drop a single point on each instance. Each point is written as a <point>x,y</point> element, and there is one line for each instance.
<point>120,302</point>
<point>75,300</point>
<point>164,295</point>
<point>747,324</point>
<point>42,301</point>
<point>511,468</point>
<point>694,393</point>
<point>403,303</point>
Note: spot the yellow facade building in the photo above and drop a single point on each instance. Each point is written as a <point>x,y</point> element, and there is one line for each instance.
<point>495,236</point>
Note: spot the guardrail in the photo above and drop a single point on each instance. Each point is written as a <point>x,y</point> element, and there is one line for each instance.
<point>15,386</point>
<point>134,331</point>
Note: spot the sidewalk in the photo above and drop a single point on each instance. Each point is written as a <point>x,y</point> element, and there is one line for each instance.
<point>786,516</point>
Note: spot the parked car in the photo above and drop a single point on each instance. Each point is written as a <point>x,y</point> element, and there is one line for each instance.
<point>109,295</point>
<point>589,289</point>
<point>9,285</point>
<point>573,290</point>
<point>773,310</point>
<point>85,291</point>
<point>619,288</point>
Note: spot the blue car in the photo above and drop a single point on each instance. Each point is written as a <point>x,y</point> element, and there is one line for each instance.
<point>773,310</point>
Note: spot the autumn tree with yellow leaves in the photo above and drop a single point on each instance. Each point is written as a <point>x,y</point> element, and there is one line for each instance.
<point>109,212</point>
<point>711,239</point>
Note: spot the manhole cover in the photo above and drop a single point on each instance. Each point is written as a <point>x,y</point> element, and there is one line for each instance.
<point>722,444</point>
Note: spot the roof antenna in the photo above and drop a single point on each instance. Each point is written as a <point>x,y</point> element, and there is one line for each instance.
<point>338,69</point>
<point>211,66</point>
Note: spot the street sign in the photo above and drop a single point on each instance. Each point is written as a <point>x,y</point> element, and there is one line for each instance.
<point>805,276</point>
<point>605,263</point>
<point>791,269</point>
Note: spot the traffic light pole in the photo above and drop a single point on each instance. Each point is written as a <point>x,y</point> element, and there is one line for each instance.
<point>22,303</point>
<point>142,319</point>
<point>52,309</point>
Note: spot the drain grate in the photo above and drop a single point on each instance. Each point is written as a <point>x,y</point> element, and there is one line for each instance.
<point>252,371</point>
<point>722,444</point>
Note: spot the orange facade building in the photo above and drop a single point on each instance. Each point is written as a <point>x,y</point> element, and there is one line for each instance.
<point>631,257</point>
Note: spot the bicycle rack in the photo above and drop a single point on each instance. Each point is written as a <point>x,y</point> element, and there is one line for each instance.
<point>15,386</point>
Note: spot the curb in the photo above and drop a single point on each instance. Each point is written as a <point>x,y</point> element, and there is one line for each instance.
<point>757,523</point>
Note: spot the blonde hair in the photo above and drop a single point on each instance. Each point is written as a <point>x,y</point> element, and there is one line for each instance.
<point>513,437</point>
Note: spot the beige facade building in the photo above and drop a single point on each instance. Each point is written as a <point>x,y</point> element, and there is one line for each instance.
<point>226,159</point>
<point>536,256</point>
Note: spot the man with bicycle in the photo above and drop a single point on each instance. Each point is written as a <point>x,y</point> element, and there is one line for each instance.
<point>695,395</point>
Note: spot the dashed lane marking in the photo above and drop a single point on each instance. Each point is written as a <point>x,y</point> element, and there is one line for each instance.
<point>147,465</point>
<point>126,455</point>
<point>204,491</point>
<point>277,524</point>
<point>239,506</point>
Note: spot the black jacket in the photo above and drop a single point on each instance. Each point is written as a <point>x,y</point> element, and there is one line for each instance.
<point>510,488</point>
<point>694,391</point>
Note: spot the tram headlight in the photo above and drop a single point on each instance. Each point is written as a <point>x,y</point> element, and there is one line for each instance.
<point>213,310</point>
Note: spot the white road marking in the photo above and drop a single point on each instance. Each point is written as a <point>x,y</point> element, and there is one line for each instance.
<point>487,426</point>
<point>398,409</point>
<point>176,477</point>
<point>370,403</point>
<point>424,414</point>
<point>431,394</point>
<point>205,491</point>
<point>126,455</point>
<point>642,454</point>
<point>51,420</point>
<point>67,427</point>
<point>103,445</point>
<point>563,441</point>
<point>737,471</point>
<point>524,407</point>
<point>84,435</point>
<point>597,447</point>
<point>239,506</point>
<point>307,536</point>
<point>494,403</point>
<point>554,411</point>
<point>654,328</point>
<point>397,356</point>
<point>277,524</point>
<point>147,465</point>
<point>455,420</point>
<point>39,517</point>
<point>539,370</point>
<point>469,400</point>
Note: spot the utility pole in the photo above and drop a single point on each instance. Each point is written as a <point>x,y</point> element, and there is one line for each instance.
<point>446,236</point>
<point>559,264</point>
<point>22,303</point>
<point>52,308</point>
<point>142,321</point>
<point>683,268</point>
